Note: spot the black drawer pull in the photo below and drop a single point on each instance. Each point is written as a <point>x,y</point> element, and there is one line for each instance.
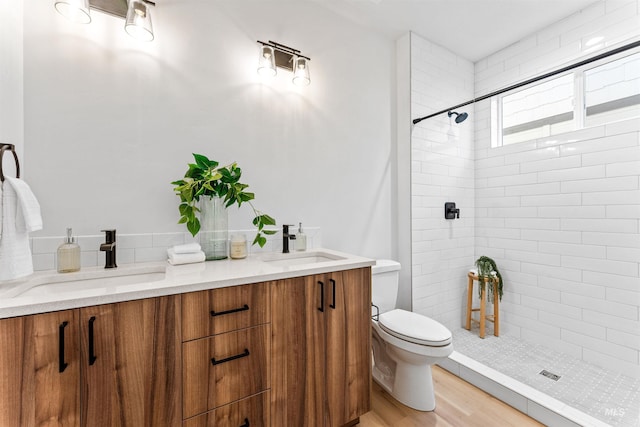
<point>321,308</point>
<point>92,350</point>
<point>333,284</point>
<point>62,365</point>
<point>246,423</point>
<point>235,310</point>
<point>229,359</point>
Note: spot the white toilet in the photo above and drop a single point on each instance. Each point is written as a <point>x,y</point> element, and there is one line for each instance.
<point>405,344</point>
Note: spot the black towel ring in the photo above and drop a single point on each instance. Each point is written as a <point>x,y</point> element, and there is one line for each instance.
<point>12,148</point>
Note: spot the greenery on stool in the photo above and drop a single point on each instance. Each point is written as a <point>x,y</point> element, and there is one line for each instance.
<point>485,267</point>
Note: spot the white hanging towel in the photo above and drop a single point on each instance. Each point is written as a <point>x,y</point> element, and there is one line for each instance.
<point>20,216</point>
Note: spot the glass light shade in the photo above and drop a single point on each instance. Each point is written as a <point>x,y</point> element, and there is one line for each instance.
<point>74,10</point>
<point>267,61</point>
<point>138,21</point>
<point>301,71</point>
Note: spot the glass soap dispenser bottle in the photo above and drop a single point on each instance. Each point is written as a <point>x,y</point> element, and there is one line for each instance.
<point>69,255</point>
<point>301,239</point>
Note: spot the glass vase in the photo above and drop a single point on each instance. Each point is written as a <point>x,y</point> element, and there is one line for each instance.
<point>214,229</point>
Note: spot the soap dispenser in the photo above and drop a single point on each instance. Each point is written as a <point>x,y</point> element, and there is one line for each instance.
<point>301,239</point>
<point>69,255</point>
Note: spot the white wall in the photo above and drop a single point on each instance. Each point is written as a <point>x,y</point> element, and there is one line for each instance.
<point>11,102</point>
<point>442,170</point>
<point>110,122</point>
<point>561,215</point>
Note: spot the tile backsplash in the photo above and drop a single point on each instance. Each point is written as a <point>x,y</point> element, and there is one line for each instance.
<point>148,247</point>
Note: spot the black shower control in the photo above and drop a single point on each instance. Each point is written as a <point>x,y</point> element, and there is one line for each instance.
<point>450,211</point>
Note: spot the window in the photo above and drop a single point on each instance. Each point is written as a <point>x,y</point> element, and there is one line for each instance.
<point>612,91</point>
<point>591,95</point>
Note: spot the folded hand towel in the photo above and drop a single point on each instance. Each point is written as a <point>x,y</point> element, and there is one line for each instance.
<point>15,253</point>
<point>28,216</point>
<point>189,248</point>
<point>177,259</point>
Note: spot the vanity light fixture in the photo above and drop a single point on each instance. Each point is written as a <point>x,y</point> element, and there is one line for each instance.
<point>135,13</point>
<point>138,21</point>
<point>274,55</point>
<point>74,10</point>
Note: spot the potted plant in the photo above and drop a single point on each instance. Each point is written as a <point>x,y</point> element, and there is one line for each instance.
<point>206,191</point>
<point>487,271</point>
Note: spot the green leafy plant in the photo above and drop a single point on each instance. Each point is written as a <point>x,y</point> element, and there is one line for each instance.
<point>205,178</point>
<point>486,267</point>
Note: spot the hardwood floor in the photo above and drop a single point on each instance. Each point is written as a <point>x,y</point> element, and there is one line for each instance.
<point>458,404</point>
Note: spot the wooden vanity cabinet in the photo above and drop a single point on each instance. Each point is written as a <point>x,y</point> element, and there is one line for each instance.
<point>40,370</point>
<point>226,351</point>
<point>131,357</point>
<point>102,366</point>
<point>292,352</point>
<point>321,364</point>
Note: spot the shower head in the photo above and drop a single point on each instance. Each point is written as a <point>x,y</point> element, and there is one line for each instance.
<point>460,117</point>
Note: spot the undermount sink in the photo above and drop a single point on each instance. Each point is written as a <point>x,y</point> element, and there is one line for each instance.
<point>88,279</point>
<point>300,258</point>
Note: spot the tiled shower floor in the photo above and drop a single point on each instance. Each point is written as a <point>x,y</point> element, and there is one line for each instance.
<point>610,397</point>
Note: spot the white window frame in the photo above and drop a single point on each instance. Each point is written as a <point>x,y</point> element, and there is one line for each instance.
<point>579,106</point>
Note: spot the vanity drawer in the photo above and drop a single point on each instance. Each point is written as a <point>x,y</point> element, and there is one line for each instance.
<point>253,411</point>
<point>216,311</point>
<point>225,368</point>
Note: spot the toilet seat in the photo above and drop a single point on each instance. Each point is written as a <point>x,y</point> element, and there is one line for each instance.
<point>415,328</point>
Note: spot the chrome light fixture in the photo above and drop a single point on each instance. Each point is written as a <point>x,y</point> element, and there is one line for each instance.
<point>138,21</point>
<point>74,10</point>
<point>274,55</point>
<point>135,12</point>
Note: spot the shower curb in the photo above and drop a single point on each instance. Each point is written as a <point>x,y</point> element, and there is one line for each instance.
<point>537,405</point>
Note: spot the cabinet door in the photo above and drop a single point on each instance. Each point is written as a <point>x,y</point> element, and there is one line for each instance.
<point>131,359</point>
<point>348,345</point>
<point>40,370</point>
<point>298,374</point>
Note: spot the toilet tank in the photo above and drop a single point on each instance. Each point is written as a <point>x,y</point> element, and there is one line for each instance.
<point>384,284</point>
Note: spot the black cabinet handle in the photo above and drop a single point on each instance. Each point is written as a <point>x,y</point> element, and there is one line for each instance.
<point>229,359</point>
<point>92,350</point>
<point>246,423</point>
<point>235,310</point>
<point>321,308</point>
<point>62,365</point>
<point>333,284</point>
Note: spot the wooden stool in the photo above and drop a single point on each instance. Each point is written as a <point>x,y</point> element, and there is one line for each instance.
<point>495,318</point>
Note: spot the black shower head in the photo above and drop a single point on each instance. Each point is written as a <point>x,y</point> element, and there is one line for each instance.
<point>460,117</point>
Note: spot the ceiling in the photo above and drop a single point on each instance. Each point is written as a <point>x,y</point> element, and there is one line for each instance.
<point>472,29</point>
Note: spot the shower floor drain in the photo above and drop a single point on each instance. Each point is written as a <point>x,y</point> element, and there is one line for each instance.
<point>550,375</point>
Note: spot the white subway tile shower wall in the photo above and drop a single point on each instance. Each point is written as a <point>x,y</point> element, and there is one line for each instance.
<point>441,171</point>
<point>561,215</point>
<point>611,23</point>
<point>136,248</point>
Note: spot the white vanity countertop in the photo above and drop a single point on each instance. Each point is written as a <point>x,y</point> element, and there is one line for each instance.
<point>51,291</point>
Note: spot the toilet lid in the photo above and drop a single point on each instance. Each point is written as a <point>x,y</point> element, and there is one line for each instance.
<point>415,328</point>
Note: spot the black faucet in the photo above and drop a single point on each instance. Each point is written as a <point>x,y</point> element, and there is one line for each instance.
<point>450,211</point>
<point>285,237</point>
<point>109,247</point>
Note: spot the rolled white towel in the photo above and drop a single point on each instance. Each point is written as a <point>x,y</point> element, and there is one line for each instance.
<point>475,271</point>
<point>178,259</point>
<point>188,248</point>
